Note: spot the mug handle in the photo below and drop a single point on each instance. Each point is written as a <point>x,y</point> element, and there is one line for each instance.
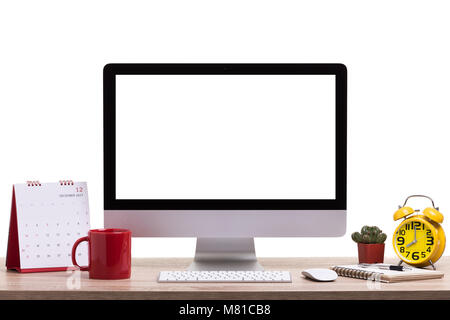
<point>74,250</point>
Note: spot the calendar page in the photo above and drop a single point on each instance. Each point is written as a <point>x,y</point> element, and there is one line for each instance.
<point>50,218</point>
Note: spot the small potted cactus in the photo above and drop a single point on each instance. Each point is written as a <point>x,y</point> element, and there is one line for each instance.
<point>370,244</point>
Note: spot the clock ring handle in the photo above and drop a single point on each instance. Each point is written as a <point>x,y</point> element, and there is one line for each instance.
<point>420,196</point>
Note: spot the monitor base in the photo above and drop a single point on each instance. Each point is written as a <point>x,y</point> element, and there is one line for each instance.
<point>227,254</point>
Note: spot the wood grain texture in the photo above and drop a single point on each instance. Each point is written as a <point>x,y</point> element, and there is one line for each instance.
<point>143,284</point>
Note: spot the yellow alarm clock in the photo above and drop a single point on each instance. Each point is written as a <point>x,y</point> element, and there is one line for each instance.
<point>419,240</point>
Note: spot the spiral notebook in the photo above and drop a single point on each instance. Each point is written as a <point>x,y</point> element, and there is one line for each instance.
<point>376,274</point>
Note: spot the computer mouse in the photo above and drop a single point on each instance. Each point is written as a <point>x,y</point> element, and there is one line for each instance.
<point>320,274</point>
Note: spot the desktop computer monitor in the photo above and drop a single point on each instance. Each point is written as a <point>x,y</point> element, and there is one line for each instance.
<point>225,153</point>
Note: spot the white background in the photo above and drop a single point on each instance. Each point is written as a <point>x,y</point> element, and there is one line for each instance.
<point>225,137</point>
<point>397,53</point>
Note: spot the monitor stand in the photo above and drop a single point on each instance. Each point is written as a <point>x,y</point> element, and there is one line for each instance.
<point>213,254</point>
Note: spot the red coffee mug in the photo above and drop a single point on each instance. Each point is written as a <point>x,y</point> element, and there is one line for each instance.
<point>109,253</point>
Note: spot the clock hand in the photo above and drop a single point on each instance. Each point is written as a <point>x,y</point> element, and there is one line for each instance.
<point>423,236</point>
<point>411,243</point>
<point>415,239</point>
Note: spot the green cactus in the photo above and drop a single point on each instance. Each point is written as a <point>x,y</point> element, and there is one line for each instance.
<point>356,236</point>
<point>369,235</point>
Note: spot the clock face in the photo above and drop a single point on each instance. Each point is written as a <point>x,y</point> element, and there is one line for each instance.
<point>415,240</point>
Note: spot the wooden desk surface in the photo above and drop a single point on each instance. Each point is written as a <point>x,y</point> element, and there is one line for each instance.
<point>143,285</point>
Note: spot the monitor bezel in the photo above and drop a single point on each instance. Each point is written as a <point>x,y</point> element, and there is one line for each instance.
<point>109,136</point>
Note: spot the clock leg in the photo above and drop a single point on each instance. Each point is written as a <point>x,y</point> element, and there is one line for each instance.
<point>432,265</point>
<point>400,263</point>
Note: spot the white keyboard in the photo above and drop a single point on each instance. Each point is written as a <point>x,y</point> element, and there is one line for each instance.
<point>224,276</point>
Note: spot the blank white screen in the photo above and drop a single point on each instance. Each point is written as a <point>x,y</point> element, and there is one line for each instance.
<point>225,137</point>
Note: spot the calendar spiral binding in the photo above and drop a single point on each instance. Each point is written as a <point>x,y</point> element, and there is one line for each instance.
<point>34,183</point>
<point>357,274</point>
<point>66,182</point>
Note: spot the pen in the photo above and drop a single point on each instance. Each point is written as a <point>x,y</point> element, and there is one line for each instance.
<point>384,266</point>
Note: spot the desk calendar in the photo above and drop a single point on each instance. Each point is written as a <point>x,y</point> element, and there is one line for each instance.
<point>46,220</point>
